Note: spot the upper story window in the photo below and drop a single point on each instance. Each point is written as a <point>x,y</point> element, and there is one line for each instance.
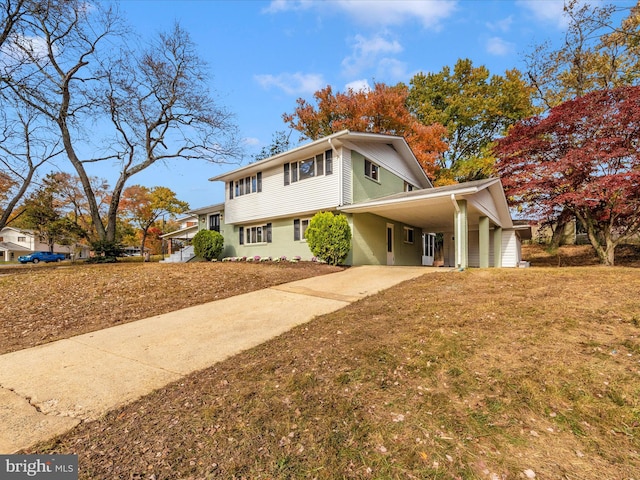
<point>22,239</point>
<point>371,170</point>
<point>321,164</point>
<point>245,186</point>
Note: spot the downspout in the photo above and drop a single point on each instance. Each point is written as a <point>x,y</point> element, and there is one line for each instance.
<point>335,154</point>
<point>457,229</point>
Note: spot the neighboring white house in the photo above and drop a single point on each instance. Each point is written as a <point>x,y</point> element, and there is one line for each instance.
<point>377,183</point>
<point>15,242</point>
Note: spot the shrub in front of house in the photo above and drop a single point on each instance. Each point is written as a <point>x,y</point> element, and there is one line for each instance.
<point>208,244</point>
<point>329,237</point>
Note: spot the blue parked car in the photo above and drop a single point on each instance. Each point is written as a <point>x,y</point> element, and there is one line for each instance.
<point>37,257</point>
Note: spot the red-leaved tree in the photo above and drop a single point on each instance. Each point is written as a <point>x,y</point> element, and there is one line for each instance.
<point>380,110</point>
<point>583,156</point>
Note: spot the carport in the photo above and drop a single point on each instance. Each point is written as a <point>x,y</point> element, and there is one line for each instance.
<point>474,217</point>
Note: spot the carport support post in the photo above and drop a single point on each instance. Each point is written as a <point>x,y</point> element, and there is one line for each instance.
<point>497,247</point>
<point>461,234</point>
<point>483,235</point>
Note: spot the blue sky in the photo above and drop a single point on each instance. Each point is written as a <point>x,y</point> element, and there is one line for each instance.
<point>263,55</point>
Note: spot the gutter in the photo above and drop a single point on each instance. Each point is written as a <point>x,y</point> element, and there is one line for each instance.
<point>335,153</point>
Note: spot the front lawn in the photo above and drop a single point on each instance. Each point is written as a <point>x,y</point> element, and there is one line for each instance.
<point>483,374</point>
<point>43,303</point>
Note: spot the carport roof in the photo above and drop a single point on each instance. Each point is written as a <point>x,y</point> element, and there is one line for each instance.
<point>432,209</point>
<point>13,247</point>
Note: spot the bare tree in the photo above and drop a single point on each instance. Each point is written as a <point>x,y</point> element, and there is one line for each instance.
<point>128,108</point>
<point>22,152</point>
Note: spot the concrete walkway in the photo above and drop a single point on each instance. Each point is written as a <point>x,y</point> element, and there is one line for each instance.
<point>49,389</point>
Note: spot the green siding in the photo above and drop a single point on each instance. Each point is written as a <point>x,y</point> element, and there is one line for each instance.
<point>282,243</point>
<point>370,242</point>
<point>365,188</point>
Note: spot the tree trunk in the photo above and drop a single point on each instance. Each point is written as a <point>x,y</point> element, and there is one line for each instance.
<point>557,238</point>
<point>606,252</point>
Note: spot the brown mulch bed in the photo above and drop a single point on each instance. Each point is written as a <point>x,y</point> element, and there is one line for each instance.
<point>40,304</point>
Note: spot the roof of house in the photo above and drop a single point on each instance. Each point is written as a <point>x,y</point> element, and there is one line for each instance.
<point>209,209</point>
<point>433,208</point>
<point>398,143</point>
<point>13,247</point>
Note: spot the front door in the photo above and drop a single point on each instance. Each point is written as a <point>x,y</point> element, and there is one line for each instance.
<point>428,248</point>
<point>391,260</point>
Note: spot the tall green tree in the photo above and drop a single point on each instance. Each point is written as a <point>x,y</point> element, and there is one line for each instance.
<point>475,107</point>
<point>44,212</point>
<point>597,53</point>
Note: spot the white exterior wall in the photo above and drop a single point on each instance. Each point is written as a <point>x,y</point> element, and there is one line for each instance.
<point>510,248</point>
<point>32,243</point>
<point>280,200</point>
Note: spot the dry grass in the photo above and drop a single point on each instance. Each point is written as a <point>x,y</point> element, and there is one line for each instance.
<point>40,304</point>
<point>484,374</point>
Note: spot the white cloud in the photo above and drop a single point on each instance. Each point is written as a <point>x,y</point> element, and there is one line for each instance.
<point>358,86</point>
<point>503,25</point>
<point>17,46</point>
<point>376,12</point>
<point>392,69</point>
<point>367,52</point>
<point>293,83</point>
<point>498,46</point>
<point>549,11</point>
<point>277,6</point>
<point>251,141</point>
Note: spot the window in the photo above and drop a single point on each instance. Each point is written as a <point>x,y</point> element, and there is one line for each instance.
<point>214,222</point>
<point>328,162</point>
<point>321,164</point>
<point>299,228</point>
<point>22,239</point>
<point>246,185</point>
<point>408,235</point>
<point>408,187</point>
<point>255,234</point>
<point>307,168</point>
<point>371,170</point>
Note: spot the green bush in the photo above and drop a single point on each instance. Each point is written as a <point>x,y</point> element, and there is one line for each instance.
<point>329,237</point>
<point>208,244</point>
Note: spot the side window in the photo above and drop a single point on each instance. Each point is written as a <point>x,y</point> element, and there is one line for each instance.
<point>371,170</point>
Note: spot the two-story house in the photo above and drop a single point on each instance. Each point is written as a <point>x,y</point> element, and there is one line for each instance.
<point>377,183</point>
<point>15,242</point>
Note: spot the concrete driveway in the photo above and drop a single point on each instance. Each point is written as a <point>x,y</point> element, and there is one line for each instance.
<point>49,389</point>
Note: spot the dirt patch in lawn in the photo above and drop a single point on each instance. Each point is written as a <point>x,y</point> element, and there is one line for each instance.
<point>44,303</point>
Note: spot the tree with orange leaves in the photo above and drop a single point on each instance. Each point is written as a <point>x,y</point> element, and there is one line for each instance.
<point>380,110</point>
